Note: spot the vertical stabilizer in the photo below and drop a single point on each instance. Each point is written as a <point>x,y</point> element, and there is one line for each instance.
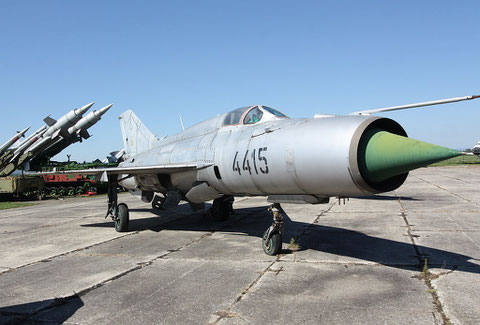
<point>136,137</point>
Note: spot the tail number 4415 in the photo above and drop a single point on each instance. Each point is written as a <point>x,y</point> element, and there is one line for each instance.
<point>253,162</point>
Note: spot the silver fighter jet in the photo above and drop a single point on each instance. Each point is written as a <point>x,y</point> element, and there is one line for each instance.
<point>258,151</point>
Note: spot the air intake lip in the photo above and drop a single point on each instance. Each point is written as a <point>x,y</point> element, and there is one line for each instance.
<point>385,158</point>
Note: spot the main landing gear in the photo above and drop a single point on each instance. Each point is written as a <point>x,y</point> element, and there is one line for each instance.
<point>272,237</point>
<point>221,208</point>
<point>118,212</point>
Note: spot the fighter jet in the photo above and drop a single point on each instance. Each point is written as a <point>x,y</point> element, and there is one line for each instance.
<point>258,151</point>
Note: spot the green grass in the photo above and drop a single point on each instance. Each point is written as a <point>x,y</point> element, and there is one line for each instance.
<point>461,160</point>
<point>10,205</point>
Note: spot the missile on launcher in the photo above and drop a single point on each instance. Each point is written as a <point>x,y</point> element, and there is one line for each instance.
<point>88,121</point>
<point>65,121</point>
<point>41,145</point>
<point>12,140</point>
<point>29,141</point>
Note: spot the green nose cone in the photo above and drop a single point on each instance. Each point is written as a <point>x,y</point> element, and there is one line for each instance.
<point>383,155</point>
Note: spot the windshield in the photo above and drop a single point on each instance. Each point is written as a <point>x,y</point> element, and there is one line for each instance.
<point>273,111</point>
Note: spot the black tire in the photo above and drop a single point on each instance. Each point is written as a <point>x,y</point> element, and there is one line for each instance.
<point>220,209</point>
<point>273,246</point>
<point>122,218</point>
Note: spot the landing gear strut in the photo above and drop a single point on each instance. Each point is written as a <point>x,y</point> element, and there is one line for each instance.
<point>118,212</point>
<point>272,237</point>
<point>221,208</point>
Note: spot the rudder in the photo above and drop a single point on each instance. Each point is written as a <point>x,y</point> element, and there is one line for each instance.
<point>136,137</point>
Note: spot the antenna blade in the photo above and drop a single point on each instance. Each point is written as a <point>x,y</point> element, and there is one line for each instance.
<point>181,121</point>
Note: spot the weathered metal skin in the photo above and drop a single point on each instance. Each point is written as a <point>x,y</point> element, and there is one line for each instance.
<point>283,156</point>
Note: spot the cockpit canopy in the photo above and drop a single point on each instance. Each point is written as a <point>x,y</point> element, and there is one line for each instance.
<point>252,115</point>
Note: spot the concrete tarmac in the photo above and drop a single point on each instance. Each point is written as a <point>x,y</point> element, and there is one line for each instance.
<point>411,256</point>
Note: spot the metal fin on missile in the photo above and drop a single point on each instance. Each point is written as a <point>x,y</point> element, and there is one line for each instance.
<point>84,134</point>
<point>382,155</point>
<point>49,121</point>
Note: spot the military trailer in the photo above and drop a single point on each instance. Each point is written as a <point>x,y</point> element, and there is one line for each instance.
<point>21,186</point>
<point>72,184</point>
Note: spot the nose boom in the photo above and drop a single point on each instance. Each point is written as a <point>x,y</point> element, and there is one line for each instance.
<point>383,155</point>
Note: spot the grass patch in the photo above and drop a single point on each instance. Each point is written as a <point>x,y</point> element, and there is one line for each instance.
<point>11,205</point>
<point>293,245</point>
<point>460,160</point>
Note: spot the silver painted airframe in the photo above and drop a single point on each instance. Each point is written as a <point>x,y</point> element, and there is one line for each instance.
<point>254,151</point>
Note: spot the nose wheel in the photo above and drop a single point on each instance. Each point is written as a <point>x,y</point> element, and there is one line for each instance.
<point>272,237</point>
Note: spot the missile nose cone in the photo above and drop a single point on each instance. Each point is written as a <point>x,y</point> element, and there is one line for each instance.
<point>24,131</point>
<point>383,155</point>
<point>83,109</point>
<point>103,110</point>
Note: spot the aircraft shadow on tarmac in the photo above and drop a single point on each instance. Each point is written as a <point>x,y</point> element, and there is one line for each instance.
<point>50,311</point>
<point>326,239</point>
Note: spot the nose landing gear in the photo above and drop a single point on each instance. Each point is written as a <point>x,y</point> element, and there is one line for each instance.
<point>272,237</point>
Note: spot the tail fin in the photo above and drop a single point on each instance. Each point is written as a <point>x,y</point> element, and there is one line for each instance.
<point>136,137</point>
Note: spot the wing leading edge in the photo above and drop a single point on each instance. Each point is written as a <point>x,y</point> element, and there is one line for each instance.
<point>131,170</point>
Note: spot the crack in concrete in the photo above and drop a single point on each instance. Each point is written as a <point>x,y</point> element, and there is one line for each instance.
<point>455,178</point>
<point>223,314</point>
<point>228,311</point>
<point>21,318</point>
<point>64,300</point>
<point>451,193</point>
<point>48,259</point>
<point>315,221</point>
<point>461,197</point>
<point>425,275</point>
<point>51,225</point>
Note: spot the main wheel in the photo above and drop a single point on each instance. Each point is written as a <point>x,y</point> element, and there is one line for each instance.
<point>273,245</point>
<point>220,209</point>
<point>122,218</point>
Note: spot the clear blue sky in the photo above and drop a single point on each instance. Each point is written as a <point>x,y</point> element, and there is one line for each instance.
<point>202,58</point>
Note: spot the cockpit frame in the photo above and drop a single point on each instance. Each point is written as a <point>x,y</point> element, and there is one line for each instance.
<point>239,116</point>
